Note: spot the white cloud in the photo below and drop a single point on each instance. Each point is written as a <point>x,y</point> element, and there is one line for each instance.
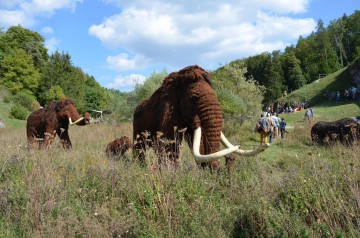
<point>124,62</point>
<point>47,30</point>
<point>35,7</point>
<point>180,33</point>
<point>7,4</point>
<point>51,44</point>
<point>10,18</point>
<point>26,13</point>
<point>127,83</point>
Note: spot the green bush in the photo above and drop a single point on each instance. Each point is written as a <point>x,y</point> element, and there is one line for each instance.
<point>25,100</point>
<point>7,99</point>
<point>19,112</point>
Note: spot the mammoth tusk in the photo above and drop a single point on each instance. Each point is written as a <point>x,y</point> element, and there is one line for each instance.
<point>210,157</point>
<point>75,122</point>
<point>259,149</point>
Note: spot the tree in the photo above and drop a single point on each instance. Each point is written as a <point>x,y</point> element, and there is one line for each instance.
<point>337,32</point>
<point>352,36</point>
<point>292,71</point>
<point>145,90</point>
<point>266,69</point>
<point>239,97</point>
<point>31,42</point>
<point>59,71</point>
<point>326,58</point>
<point>19,72</point>
<point>54,93</point>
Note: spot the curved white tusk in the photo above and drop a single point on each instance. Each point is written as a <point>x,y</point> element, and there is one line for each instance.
<point>210,157</point>
<point>75,122</point>
<point>259,149</point>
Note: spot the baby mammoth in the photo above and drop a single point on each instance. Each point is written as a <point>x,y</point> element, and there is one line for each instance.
<point>118,147</point>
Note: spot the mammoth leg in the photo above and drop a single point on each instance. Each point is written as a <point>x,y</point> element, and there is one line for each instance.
<point>31,142</point>
<point>168,152</point>
<point>140,150</point>
<point>65,139</point>
<point>48,139</point>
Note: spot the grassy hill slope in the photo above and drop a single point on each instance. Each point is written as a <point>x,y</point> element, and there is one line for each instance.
<point>4,116</point>
<point>338,81</point>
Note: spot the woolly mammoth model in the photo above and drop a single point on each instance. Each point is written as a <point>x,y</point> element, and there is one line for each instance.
<point>118,147</point>
<point>345,130</point>
<point>43,124</point>
<point>184,107</point>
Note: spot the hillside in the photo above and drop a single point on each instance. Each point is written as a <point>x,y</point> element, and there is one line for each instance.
<point>338,81</point>
<point>5,119</point>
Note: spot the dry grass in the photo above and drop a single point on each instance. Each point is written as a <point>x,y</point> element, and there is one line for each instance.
<point>294,189</point>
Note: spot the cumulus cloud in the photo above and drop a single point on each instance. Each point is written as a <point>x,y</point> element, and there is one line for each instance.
<point>127,83</point>
<point>9,18</point>
<point>26,13</point>
<point>123,61</point>
<point>180,33</point>
<point>47,30</point>
<point>51,44</point>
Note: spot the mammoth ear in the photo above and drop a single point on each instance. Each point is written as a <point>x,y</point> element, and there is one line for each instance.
<point>68,101</point>
<point>59,106</point>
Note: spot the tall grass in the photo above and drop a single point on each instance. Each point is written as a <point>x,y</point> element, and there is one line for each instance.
<point>293,189</point>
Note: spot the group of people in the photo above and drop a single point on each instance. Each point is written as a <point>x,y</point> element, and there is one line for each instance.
<point>351,93</point>
<point>270,126</point>
<point>293,106</point>
<point>309,114</point>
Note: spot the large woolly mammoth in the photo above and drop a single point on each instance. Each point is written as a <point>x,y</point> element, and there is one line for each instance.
<point>185,106</point>
<point>43,124</point>
<point>345,130</point>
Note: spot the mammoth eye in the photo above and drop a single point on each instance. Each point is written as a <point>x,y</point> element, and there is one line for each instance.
<point>194,98</point>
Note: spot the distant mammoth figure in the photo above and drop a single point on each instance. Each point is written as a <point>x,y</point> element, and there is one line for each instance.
<point>184,107</point>
<point>345,130</point>
<point>118,147</point>
<point>43,124</point>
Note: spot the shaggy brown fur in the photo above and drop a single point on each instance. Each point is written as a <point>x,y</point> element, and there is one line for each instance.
<point>118,147</point>
<point>43,124</point>
<point>184,100</point>
<point>345,130</point>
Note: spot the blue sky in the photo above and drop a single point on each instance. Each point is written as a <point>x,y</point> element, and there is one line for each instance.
<point>121,42</point>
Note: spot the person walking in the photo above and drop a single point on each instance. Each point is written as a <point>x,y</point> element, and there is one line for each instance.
<point>282,127</point>
<point>307,115</point>
<point>337,96</point>
<point>311,113</point>
<point>271,125</point>
<point>277,121</point>
<point>262,128</point>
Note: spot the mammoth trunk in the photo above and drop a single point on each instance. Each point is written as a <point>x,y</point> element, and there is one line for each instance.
<point>209,118</point>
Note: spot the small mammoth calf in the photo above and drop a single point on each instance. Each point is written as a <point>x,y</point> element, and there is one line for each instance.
<point>118,147</point>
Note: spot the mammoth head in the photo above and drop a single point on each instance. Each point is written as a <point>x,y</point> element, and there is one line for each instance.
<point>66,110</point>
<point>85,121</point>
<point>200,111</point>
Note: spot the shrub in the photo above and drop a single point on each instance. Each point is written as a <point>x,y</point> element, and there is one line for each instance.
<point>25,100</point>
<point>7,99</point>
<point>19,112</point>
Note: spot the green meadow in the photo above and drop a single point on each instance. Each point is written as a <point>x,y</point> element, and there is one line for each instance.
<point>293,189</point>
